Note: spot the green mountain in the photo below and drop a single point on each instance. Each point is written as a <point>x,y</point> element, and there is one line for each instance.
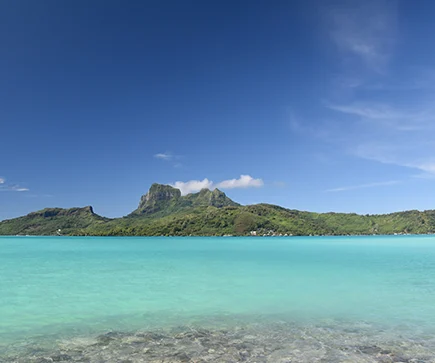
<point>162,200</point>
<point>164,211</point>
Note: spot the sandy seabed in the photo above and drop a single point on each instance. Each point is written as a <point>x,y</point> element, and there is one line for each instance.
<point>278,341</point>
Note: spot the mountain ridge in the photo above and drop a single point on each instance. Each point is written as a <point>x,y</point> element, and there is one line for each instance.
<point>164,211</point>
<point>167,199</point>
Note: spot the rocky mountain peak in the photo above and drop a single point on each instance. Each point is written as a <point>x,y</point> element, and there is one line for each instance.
<point>160,192</point>
<point>165,199</point>
<point>158,197</point>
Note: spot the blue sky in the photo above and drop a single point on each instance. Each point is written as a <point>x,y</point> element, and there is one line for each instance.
<point>316,105</point>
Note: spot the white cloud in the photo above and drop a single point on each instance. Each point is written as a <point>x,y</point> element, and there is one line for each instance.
<point>164,156</point>
<point>192,186</point>
<point>362,186</point>
<point>245,181</point>
<point>2,181</point>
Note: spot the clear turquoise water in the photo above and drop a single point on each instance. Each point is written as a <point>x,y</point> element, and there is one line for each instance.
<point>65,286</point>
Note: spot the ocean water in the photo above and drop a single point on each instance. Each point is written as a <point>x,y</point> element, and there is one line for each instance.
<point>376,290</point>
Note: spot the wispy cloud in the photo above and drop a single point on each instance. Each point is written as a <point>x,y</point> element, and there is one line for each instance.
<point>428,167</point>
<point>191,186</point>
<point>4,187</point>
<point>173,159</point>
<point>417,118</point>
<point>372,111</point>
<point>365,30</point>
<point>362,186</point>
<point>164,156</point>
<point>17,188</point>
<point>29,195</point>
<point>383,132</point>
<point>376,109</point>
<point>425,175</point>
<point>411,150</point>
<point>381,112</point>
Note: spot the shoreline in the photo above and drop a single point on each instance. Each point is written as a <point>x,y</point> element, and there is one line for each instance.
<point>226,236</point>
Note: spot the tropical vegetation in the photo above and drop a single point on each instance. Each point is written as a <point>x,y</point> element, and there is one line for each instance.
<point>163,211</point>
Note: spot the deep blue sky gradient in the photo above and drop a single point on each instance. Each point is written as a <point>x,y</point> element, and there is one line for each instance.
<point>328,102</point>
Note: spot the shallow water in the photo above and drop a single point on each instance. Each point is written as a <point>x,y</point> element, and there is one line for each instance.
<point>369,298</point>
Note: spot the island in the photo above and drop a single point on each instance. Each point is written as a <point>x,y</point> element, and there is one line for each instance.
<point>163,211</point>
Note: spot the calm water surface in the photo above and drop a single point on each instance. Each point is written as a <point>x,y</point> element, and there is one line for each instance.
<point>73,286</point>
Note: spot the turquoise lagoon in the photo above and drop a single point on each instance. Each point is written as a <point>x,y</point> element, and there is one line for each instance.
<point>65,287</point>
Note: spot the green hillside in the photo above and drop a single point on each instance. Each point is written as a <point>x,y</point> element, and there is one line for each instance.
<point>52,221</point>
<point>164,211</point>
